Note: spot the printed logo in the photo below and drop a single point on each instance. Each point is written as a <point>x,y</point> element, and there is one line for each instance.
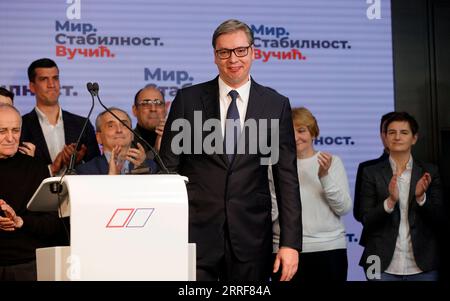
<point>130,218</point>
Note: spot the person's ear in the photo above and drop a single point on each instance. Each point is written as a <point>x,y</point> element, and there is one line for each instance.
<point>416,136</point>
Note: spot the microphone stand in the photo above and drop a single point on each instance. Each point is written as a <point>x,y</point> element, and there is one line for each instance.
<point>57,187</point>
<point>71,168</point>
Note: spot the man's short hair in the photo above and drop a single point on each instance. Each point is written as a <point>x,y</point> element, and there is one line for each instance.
<point>98,122</point>
<point>40,63</point>
<point>403,116</point>
<point>230,26</point>
<point>147,87</point>
<point>7,93</point>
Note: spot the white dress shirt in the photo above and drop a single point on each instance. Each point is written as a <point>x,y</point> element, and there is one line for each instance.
<point>241,101</point>
<point>403,261</point>
<point>53,134</point>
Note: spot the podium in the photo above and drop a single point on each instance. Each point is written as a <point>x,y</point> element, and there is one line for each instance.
<point>124,227</point>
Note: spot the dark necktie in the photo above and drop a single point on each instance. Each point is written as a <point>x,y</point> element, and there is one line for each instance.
<point>232,131</point>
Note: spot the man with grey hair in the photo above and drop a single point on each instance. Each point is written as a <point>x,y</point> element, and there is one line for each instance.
<point>229,198</point>
<point>118,155</point>
<point>21,231</point>
<point>7,97</point>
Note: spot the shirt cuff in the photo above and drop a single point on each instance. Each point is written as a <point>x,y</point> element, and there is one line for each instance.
<point>386,208</point>
<point>423,201</point>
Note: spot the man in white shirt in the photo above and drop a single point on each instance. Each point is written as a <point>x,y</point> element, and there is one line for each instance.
<point>53,130</point>
<point>401,208</point>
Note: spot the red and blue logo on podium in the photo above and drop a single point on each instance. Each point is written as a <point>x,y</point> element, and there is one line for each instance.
<point>130,218</point>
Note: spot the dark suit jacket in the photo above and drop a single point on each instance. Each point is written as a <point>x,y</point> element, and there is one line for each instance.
<point>381,228</point>
<point>147,135</point>
<point>32,132</point>
<point>234,198</point>
<point>99,166</point>
<point>358,182</point>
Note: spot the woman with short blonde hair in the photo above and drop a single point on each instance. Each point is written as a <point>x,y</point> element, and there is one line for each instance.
<point>325,197</point>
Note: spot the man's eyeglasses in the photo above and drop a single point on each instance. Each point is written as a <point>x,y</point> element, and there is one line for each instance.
<point>146,103</point>
<point>226,53</point>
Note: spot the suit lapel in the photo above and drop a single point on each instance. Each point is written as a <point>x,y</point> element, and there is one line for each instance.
<point>38,136</point>
<point>255,109</point>
<point>387,172</point>
<point>211,107</point>
<point>416,174</point>
<point>70,129</point>
<point>103,165</point>
<point>387,176</point>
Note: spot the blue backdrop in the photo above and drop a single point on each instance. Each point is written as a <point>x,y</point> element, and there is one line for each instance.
<point>333,57</point>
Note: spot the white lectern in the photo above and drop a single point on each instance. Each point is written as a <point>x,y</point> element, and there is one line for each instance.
<point>131,227</point>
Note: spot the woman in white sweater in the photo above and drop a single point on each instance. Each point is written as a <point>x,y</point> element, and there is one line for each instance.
<point>325,198</point>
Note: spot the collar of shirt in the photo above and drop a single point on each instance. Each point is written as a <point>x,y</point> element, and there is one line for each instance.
<point>394,165</point>
<point>54,134</point>
<point>126,164</point>
<point>241,101</point>
<point>43,118</point>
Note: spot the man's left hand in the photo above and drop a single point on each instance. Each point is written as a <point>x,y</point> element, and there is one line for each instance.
<point>288,259</point>
<point>136,155</point>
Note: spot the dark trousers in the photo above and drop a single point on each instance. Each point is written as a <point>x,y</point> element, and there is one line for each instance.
<point>326,266</point>
<point>228,268</point>
<point>424,276</point>
<point>19,272</point>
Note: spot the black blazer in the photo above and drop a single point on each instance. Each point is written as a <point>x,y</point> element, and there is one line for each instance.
<point>234,198</point>
<point>380,228</point>
<point>32,132</point>
<point>358,182</point>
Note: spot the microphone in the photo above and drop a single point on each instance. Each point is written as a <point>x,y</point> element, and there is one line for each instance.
<point>71,169</point>
<point>93,89</point>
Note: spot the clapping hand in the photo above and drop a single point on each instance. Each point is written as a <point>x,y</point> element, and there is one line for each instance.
<point>324,160</point>
<point>422,186</point>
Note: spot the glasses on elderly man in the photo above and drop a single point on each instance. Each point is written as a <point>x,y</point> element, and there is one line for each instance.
<point>146,103</point>
<point>225,53</point>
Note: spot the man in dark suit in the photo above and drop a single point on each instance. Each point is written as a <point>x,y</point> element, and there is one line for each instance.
<point>118,155</point>
<point>229,198</point>
<point>401,209</point>
<point>149,108</point>
<point>53,131</point>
